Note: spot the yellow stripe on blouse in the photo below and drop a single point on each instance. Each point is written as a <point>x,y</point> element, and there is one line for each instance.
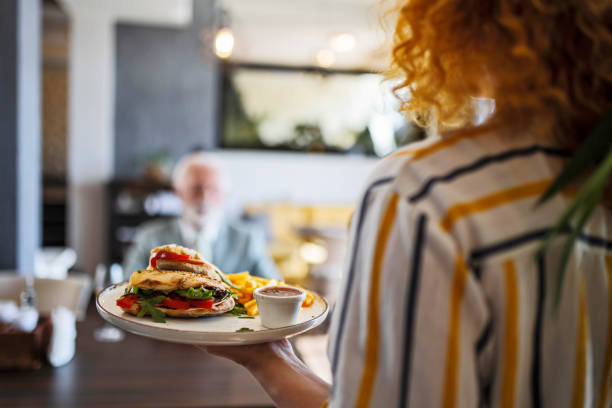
<point>581,348</point>
<point>506,196</point>
<point>419,153</point>
<point>606,378</point>
<point>372,343</point>
<point>451,376</point>
<point>511,336</point>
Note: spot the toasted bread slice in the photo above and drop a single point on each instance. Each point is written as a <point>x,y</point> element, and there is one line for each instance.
<point>172,265</point>
<point>173,280</point>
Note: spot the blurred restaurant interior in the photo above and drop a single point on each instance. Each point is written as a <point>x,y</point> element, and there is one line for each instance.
<point>191,188</point>
<point>100,101</point>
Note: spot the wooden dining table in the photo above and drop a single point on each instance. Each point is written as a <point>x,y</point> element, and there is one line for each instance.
<point>135,372</point>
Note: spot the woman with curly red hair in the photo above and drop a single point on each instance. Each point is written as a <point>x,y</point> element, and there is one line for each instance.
<point>445,303</point>
<point>547,64</point>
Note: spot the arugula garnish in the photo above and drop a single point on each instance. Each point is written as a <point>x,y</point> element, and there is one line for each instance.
<point>133,290</point>
<point>244,329</point>
<point>148,306</point>
<point>147,303</point>
<point>228,283</point>
<point>238,310</point>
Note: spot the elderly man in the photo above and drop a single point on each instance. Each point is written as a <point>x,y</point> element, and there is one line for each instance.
<point>233,247</point>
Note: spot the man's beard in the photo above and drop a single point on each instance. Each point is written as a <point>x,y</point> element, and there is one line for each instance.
<point>207,221</point>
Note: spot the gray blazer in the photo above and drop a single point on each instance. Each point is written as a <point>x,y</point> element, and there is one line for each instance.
<point>238,248</point>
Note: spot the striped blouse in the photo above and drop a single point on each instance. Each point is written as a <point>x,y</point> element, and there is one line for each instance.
<point>444,303</point>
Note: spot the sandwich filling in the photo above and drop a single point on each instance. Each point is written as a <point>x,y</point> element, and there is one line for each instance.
<point>171,256</point>
<point>181,299</point>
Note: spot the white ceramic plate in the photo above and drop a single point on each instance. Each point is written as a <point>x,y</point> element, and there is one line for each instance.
<point>206,330</point>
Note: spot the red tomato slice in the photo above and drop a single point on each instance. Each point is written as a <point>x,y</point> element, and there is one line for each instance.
<point>175,303</point>
<point>174,257</point>
<point>126,302</point>
<point>205,304</point>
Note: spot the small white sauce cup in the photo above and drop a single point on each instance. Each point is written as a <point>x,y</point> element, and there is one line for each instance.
<point>278,311</point>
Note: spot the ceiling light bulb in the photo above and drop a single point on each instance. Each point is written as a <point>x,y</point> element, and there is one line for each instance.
<point>342,42</point>
<point>325,58</point>
<point>224,43</point>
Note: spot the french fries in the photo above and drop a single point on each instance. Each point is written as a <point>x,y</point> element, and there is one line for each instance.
<point>251,307</point>
<point>247,284</point>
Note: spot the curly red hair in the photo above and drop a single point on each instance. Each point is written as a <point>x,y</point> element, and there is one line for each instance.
<point>546,62</point>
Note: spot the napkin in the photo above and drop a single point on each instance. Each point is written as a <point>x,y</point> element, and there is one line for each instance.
<point>61,346</point>
<point>8,311</point>
<point>22,318</point>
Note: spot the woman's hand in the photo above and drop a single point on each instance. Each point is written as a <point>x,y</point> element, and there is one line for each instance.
<point>255,355</point>
<point>281,373</point>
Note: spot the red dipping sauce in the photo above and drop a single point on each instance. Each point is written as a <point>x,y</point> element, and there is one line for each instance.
<point>280,291</point>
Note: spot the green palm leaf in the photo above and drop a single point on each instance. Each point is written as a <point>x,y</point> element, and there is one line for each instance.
<point>592,151</point>
<point>596,149</point>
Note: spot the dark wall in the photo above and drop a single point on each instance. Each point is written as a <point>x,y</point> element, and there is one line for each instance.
<point>8,131</point>
<point>20,133</point>
<point>166,92</point>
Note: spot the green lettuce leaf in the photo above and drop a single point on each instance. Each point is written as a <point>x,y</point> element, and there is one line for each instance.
<point>200,293</point>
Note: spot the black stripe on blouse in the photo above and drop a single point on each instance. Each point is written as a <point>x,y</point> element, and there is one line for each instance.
<point>481,343</point>
<point>516,241</point>
<point>484,162</point>
<point>536,399</point>
<point>344,301</point>
<point>411,306</point>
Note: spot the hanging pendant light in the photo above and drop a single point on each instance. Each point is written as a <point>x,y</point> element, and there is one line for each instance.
<point>224,43</point>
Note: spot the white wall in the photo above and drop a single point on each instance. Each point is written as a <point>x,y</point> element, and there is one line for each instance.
<point>265,177</point>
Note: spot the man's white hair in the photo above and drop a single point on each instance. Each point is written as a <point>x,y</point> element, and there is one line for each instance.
<point>197,159</point>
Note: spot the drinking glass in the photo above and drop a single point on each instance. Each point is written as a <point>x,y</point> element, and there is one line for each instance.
<point>103,277</point>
